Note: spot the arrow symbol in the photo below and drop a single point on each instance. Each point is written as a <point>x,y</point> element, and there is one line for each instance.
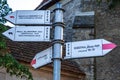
<point>108,46</point>
<point>10,33</point>
<point>33,62</point>
<point>12,17</point>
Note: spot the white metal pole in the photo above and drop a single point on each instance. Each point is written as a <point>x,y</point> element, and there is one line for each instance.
<point>58,39</point>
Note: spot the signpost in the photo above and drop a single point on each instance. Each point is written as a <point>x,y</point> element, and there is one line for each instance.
<point>88,48</point>
<point>79,49</point>
<point>31,33</point>
<point>28,17</point>
<point>42,58</point>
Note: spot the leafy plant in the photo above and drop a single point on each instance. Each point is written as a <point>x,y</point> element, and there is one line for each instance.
<point>4,10</point>
<point>7,61</point>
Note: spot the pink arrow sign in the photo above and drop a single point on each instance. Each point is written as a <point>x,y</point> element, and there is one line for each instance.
<point>33,62</point>
<point>107,46</point>
<point>88,48</point>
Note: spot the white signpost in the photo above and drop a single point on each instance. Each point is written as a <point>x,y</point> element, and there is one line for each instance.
<point>42,58</point>
<point>27,17</point>
<point>30,33</point>
<point>88,48</point>
<point>79,49</point>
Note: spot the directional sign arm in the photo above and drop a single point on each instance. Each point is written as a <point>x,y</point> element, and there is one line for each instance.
<point>29,17</point>
<point>88,48</point>
<point>29,33</point>
<point>42,58</point>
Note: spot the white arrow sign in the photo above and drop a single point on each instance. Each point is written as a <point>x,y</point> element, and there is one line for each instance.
<point>29,17</point>
<point>42,58</point>
<point>31,33</point>
<point>88,48</point>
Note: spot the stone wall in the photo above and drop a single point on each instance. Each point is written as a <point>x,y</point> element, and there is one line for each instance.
<point>73,33</point>
<point>108,27</point>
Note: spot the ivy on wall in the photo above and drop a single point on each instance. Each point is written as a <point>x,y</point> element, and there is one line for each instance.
<point>9,62</point>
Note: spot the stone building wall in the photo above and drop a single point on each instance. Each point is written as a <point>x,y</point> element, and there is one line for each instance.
<point>108,27</point>
<point>107,24</point>
<point>73,33</point>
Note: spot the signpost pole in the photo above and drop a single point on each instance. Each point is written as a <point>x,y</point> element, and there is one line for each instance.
<point>57,42</point>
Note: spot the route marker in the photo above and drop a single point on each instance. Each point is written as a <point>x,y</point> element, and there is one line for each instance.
<point>88,48</point>
<point>28,17</point>
<point>42,58</point>
<point>29,33</point>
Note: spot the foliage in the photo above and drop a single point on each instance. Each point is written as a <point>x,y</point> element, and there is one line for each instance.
<point>7,61</point>
<point>4,10</point>
<point>3,48</point>
<point>13,67</point>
